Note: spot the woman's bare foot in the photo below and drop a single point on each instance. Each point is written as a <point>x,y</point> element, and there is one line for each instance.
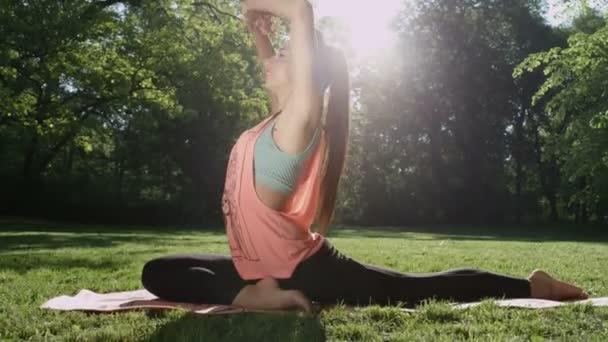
<point>267,295</point>
<point>544,286</point>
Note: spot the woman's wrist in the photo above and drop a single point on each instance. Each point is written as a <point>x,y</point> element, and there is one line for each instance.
<point>300,9</point>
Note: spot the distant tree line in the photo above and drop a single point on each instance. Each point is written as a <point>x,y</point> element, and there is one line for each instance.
<point>125,111</point>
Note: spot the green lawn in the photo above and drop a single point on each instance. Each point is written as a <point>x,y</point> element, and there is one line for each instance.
<point>39,261</point>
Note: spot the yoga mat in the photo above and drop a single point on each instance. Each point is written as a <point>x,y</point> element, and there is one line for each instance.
<point>90,301</point>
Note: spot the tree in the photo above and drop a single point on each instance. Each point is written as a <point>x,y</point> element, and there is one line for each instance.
<point>116,102</point>
<point>577,104</point>
<point>435,118</point>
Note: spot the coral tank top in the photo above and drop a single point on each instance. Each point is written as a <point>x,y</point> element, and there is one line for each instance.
<point>265,242</point>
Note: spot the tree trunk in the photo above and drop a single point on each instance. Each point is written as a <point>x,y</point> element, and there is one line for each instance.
<point>28,160</point>
<point>120,175</point>
<point>551,188</point>
<point>582,203</point>
<point>69,160</point>
<point>551,196</point>
<point>517,156</point>
<point>547,185</point>
<point>436,172</point>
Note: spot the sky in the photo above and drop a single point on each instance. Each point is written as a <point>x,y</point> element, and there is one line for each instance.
<point>363,8</point>
<point>557,13</point>
<point>369,19</point>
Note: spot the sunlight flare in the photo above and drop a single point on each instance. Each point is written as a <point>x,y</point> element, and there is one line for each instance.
<point>367,22</point>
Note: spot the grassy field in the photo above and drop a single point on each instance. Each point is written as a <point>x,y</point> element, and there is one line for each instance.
<point>41,260</point>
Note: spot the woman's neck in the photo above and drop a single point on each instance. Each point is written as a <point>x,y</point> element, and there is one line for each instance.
<point>279,101</point>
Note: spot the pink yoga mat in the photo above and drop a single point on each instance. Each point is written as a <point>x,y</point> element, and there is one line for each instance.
<point>87,300</point>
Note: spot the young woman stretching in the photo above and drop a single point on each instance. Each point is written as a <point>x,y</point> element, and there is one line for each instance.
<point>281,174</point>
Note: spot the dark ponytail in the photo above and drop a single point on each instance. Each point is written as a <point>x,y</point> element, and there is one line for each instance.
<point>337,128</point>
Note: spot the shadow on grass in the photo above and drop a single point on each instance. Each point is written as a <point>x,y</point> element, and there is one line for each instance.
<point>595,234</point>
<point>242,327</point>
<point>27,241</point>
<point>22,263</point>
<point>107,236</point>
<point>27,225</point>
<point>34,240</point>
<point>22,252</point>
<point>16,235</point>
<point>30,246</point>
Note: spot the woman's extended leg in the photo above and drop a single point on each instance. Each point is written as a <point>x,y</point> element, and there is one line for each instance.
<point>195,278</point>
<point>329,276</point>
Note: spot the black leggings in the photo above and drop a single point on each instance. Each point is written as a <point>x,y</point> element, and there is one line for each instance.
<point>326,277</point>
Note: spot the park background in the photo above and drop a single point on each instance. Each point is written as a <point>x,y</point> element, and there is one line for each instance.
<point>485,112</point>
<point>479,139</point>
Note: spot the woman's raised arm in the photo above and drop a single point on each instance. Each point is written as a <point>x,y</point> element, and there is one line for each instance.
<point>304,107</point>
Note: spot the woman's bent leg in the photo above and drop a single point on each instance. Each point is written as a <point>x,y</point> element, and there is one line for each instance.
<point>329,276</point>
<point>196,278</point>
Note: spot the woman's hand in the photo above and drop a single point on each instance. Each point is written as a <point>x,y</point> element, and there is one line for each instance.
<point>259,22</point>
<point>289,9</point>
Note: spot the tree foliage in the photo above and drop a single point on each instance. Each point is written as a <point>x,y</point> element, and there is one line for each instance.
<point>577,105</point>
<point>122,99</point>
<point>125,111</point>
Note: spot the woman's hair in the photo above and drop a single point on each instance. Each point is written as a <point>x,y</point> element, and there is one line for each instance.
<point>334,74</point>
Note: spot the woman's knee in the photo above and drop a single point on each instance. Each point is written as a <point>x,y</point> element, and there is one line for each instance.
<point>464,271</point>
<point>151,274</point>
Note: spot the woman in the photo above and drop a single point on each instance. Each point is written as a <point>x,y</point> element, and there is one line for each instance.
<point>285,171</point>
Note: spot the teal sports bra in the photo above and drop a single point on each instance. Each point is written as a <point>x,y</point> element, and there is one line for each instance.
<point>277,169</point>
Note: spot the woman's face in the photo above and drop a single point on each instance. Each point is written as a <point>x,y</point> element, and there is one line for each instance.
<point>277,70</point>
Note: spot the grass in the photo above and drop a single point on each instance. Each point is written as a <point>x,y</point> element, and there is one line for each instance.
<point>42,260</point>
